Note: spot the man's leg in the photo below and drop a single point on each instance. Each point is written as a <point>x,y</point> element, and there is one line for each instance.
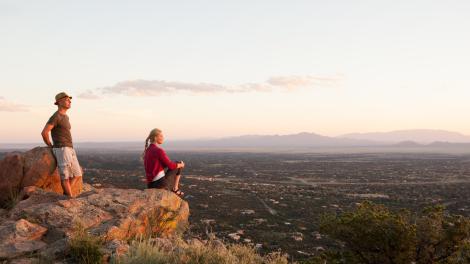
<point>77,172</point>
<point>66,187</point>
<point>74,180</point>
<point>72,184</point>
<point>64,169</point>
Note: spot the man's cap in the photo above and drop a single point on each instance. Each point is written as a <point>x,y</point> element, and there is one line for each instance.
<point>60,96</point>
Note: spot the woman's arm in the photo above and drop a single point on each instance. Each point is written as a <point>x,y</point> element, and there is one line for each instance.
<point>166,161</point>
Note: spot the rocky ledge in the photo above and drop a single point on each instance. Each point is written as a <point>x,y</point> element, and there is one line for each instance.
<point>43,221</point>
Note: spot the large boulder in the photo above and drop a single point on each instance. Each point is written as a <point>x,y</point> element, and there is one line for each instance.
<point>115,215</point>
<point>36,167</point>
<point>11,175</point>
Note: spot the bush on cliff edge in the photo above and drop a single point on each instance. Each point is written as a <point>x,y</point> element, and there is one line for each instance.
<point>374,234</point>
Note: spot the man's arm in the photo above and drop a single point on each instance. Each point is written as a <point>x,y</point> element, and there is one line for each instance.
<point>45,134</point>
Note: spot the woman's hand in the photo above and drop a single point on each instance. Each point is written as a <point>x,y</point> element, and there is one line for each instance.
<point>181,164</point>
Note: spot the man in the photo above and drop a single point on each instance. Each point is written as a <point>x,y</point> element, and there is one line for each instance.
<point>59,127</point>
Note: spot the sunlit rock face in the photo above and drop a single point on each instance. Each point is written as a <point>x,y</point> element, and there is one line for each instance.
<point>42,219</point>
<point>36,167</point>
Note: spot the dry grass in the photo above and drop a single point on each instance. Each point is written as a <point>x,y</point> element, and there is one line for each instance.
<point>142,252</point>
<point>180,252</point>
<point>85,248</point>
<point>12,200</point>
<point>161,222</point>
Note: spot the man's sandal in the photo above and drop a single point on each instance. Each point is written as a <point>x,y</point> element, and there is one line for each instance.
<point>178,192</point>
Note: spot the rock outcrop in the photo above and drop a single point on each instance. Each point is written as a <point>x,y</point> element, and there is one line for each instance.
<point>46,221</point>
<point>36,167</point>
<point>20,237</point>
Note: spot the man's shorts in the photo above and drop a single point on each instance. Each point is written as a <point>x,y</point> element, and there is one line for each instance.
<point>67,162</point>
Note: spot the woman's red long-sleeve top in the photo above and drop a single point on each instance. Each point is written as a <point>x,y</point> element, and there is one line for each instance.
<point>156,160</point>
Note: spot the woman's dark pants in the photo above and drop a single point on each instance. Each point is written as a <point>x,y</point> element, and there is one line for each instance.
<point>167,181</point>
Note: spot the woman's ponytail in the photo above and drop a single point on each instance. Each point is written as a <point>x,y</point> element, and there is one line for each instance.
<point>151,137</point>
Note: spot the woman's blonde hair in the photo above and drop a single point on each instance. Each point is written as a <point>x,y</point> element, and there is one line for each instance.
<point>151,137</point>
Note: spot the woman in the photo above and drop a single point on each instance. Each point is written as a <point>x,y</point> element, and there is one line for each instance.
<point>155,163</point>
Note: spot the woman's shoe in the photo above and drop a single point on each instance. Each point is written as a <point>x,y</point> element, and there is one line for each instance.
<point>178,192</point>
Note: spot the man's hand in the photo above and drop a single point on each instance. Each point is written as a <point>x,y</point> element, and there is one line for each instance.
<point>45,134</point>
<point>181,164</point>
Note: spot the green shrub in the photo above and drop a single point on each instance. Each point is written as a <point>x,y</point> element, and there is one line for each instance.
<point>374,234</point>
<point>462,255</point>
<point>85,248</point>
<point>442,238</point>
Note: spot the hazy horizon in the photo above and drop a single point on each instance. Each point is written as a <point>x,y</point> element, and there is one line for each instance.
<point>204,69</point>
<point>429,135</point>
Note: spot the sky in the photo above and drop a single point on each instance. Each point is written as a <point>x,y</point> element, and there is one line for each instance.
<point>209,69</point>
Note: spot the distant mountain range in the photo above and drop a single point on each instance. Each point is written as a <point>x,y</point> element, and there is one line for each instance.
<point>402,138</point>
<point>423,136</point>
<point>294,141</point>
<point>416,139</point>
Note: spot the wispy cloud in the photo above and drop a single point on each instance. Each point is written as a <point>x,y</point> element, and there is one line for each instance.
<point>295,81</point>
<point>160,87</point>
<point>150,88</point>
<point>6,106</point>
<point>89,94</point>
